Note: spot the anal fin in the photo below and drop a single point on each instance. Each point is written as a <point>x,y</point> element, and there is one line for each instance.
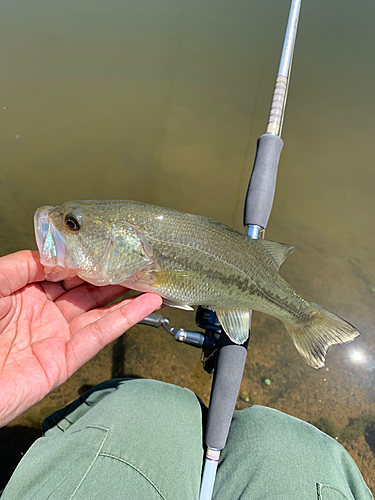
<point>235,322</point>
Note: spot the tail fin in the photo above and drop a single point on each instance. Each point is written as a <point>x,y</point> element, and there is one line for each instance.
<point>313,337</point>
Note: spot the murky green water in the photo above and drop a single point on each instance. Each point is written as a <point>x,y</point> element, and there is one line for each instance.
<point>163,102</point>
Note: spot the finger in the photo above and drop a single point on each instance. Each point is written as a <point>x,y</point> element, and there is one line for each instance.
<point>55,290</point>
<point>82,320</point>
<point>52,290</point>
<point>88,341</point>
<point>87,297</point>
<point>70,283</point>
<point>18,269</point>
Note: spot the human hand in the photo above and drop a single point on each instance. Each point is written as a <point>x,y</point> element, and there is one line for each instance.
<point>49,330</point>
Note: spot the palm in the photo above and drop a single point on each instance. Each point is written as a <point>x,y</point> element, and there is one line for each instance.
<point>47,333</point>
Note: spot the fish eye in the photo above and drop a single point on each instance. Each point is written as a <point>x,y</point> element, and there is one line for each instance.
<point>72,222</point>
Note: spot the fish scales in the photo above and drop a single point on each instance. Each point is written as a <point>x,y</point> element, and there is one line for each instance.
<point>187,259</point>
<point>244,266</point>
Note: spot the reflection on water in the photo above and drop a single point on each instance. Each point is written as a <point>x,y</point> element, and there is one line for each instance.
<point>162,102</point>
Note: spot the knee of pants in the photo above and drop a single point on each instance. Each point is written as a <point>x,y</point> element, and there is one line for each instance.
<point>120,402</point>
<point>140,437</point>
<point>279,430</point>
<point>272,455</point>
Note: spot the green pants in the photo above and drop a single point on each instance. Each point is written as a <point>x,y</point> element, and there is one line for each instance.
<point>143,440</point>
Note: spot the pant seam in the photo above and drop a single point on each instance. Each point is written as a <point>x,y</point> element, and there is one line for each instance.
<point>109,455</point>
<point>96,456</point>
<point>321,486</point>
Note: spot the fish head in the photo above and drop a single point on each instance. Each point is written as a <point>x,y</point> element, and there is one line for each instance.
<point>88,240</point>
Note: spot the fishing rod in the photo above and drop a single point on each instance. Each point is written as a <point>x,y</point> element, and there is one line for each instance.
<point>221,356</point>
<point>231,358</point>
<point>261,189</point>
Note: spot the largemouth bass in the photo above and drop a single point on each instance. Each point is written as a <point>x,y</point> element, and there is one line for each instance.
<point>188,260</point>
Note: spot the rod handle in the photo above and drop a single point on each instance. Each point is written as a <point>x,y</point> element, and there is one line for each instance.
<point>226,383</point>
<point>261,190</point>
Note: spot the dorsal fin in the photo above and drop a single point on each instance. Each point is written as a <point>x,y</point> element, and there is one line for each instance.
<point>278,252</point>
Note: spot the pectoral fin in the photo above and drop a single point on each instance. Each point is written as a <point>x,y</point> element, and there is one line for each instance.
<point>235,322</point>
<point>164,280</point>
<point>278,252</point>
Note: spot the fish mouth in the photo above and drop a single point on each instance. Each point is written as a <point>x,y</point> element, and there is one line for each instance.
<point>50,242</point>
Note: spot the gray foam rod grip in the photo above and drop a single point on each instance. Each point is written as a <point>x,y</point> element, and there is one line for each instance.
<point>261,190</point>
